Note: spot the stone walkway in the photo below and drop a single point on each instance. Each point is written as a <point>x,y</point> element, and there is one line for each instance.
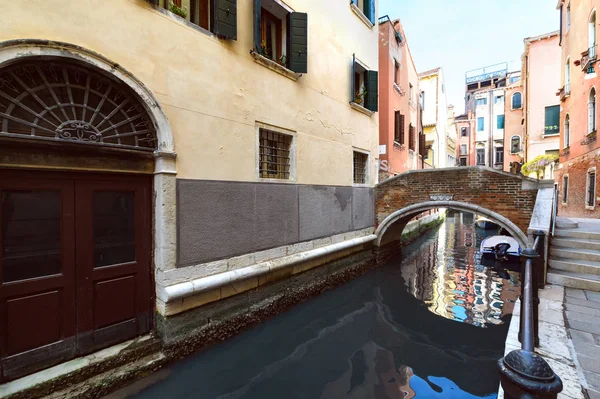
<point>582,311</point>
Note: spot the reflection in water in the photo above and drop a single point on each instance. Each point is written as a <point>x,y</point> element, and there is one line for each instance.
<point>370,338</point>
<point>447,274</point>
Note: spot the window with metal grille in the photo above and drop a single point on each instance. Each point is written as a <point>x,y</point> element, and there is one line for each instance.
<point>360,167</point>
<point>274,161</point>
<point>411,137</point>
<point>591,192</point>
<point>565,189</point>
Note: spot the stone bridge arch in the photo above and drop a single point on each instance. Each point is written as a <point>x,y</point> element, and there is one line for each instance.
<point>505,198</point>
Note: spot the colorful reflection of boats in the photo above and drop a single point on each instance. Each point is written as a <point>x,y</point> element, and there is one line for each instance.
<point>485,223</point>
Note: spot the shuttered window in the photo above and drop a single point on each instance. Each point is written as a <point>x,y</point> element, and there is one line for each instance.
<point>372,87</point>
<point>565,189</point>
<point>217,16</point>
<point>592,112</point>
<point>411,137</point>
<point>516,101</point>
<point>225,18</point>
<point>422,145</point>
<point>398,127</point>
<point>270,29</point>
<point>365,86</point>
<point>552,120</point>
<point>591,188</point>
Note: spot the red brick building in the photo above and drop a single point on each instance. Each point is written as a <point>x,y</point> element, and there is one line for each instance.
<point>576,174</point>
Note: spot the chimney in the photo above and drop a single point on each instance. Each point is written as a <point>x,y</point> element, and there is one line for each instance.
<point>450,111</point>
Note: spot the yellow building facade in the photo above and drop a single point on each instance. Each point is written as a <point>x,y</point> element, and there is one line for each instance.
<point>205,154</point>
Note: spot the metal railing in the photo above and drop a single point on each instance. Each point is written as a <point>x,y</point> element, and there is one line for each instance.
<point>524,373</point>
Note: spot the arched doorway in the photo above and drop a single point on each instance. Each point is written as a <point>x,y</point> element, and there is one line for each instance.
<point>75,231</point>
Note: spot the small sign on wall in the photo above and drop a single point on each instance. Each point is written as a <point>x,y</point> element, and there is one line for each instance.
<point>382,149</point>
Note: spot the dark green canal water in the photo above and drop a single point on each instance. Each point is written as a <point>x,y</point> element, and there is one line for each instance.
<point>431,324</point>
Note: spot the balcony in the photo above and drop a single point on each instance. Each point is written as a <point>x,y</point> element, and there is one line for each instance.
<point>588,57</point>
<point>564,92</point>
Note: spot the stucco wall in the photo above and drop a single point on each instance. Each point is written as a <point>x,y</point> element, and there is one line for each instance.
<point>543,79</point>
<point>212,90</point>
<point>513,126</point>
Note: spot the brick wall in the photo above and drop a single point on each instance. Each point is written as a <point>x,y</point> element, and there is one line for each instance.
<point>577,170</point>
<point>497,191</point>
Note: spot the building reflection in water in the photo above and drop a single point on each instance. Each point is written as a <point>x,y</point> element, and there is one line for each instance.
<point>446,273</point>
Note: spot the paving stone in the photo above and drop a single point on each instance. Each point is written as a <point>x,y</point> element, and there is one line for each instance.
<point>593,394</point>
<point>568,374</point>
<point>581,326</point>
<point>586,349</point>
<point>552,316</point>
<point>552,293</point>
<point>585,318</point>
<point>582,336</point>
<point>575,293</point>
<point>582,302</point>
<point>593,380</point>
<point>589,364</point>
<point>583,309</point>
<point>593,296</point>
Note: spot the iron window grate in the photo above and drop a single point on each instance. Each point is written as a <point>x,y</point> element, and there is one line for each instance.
<point>360,167</point>
<point>275,150</point>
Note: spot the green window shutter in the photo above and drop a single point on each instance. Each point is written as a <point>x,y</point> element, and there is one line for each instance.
<point>298,41</point>
<point>500,122</point>
<point>224,14</point>
<point>372,87</point>
<point>369,10</point>
<point>552,120</point>
<point>257,33</point>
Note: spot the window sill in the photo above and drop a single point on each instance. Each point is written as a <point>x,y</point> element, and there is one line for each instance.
<point>278,181</point>
<point>550,135</point>
<point>399,146</point>
<point>397,88</point>
<point>360,108</point>
<point>272,65</point>
<point>361,16</point>
<point>184,21</point>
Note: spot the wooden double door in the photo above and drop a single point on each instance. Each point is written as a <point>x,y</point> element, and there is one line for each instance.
<point>74,265</point>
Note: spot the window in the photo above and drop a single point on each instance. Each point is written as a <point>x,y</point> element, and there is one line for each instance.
<point>443,88</point>
<point>500,121</point>
<point>274,155</point>
<point>397,73</point>
<point>364,85</point>
<point>481,101</point>
<point>422,99</point>
<point>568,76</point>
<point>515,144</point>
<point>423,151</point>
<point>592,36</point>
<point>463,161</point>
<point>281,35</point>
<point>464,132</point>
<point>592,111</point>
<point>498,99</point>
<point>568,18</point>
<point>411,137</point>
<point>398,127</point>
<point>567,135</point>
<point>481,156</point>
<point>551,126</point>
<point>367,7</point>
<point>410,91</point>
<point>360,167</point>
<point>516,101</point>
<point>499,155</point>
<point>463,149</point>
<point>480,124</point>
<point>565,189</point>
<point>514,79</point>
<point>223,24</point>
<point>591,188</point>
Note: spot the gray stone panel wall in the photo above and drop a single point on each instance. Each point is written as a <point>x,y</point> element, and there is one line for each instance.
<point>363,208</point>
<point>221,219</point>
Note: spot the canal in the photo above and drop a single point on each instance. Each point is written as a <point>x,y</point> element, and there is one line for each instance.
<point>429,324</point>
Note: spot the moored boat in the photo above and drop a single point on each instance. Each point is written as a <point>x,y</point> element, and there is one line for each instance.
<point>502,248</point>
<point>485,223</point>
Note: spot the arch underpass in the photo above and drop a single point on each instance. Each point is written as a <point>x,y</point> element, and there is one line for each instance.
<point>507,199</point>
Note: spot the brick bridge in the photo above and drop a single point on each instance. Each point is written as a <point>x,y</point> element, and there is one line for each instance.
<point>504,198</point>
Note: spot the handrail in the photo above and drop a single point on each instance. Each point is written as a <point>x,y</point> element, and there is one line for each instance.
<point>524,373</point>
<point>554,210</point>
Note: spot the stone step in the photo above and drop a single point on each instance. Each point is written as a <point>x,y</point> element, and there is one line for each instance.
<point>564,223</point>
<point>582,243</point>
<point>577,233</point>
<point>575,265</point>
<point>590,282</point>
<point>582,254</point>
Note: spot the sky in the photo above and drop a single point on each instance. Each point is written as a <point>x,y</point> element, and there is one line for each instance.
<point>461,35</point>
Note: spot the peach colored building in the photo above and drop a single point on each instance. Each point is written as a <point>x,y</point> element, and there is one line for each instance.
<point>541,75</point>
<point>514,124</point>
<point>576,173</point>
<point>465,139</point>
<point>399,125</point>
